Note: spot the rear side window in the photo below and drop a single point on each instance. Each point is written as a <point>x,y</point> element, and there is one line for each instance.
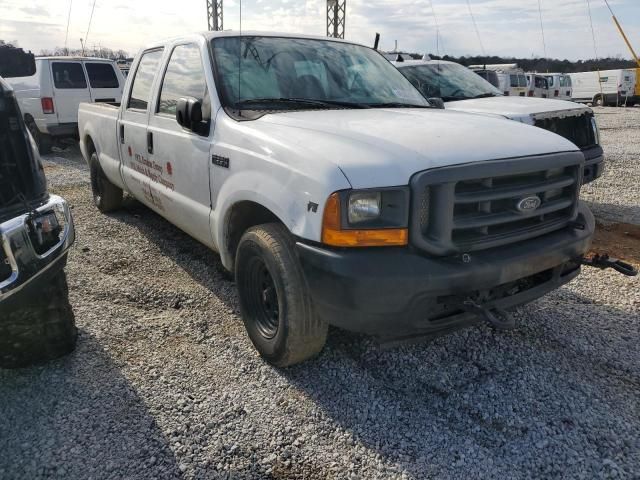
<point>68,75</point>
<point>143,80</point>
<point>185,78</point>
<point>101,75</point>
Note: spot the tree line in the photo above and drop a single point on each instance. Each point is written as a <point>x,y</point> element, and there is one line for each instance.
<point>543,64</point>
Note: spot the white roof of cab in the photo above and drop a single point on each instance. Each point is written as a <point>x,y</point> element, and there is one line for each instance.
<point>248,33</point>
<point>67,58</point>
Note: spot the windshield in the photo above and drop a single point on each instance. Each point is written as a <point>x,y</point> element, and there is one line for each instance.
<point>271,73</point>
<point>448,81</point>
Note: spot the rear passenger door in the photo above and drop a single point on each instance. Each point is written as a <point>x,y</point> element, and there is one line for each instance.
<point>137,171</point>
<point>181,157</point>
<point>105,82</point>
<point>70,88</point>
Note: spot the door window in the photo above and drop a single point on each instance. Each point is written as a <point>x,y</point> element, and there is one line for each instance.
<point>101,75</point>
<point>143,80</point>
<point>68,75</point>
<point>185,78</point>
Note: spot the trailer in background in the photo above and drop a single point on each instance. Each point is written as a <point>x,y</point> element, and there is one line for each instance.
<point>607,87</point>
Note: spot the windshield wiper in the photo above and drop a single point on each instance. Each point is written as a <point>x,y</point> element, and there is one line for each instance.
<point>485,95</point>
<point>398,105</point>
<point>301,101</point>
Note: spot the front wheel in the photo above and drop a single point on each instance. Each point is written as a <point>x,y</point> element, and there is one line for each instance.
<point>43,140</point>
<point>274,300</point>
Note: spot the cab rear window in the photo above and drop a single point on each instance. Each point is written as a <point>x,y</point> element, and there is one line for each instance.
<point>101,75</point>
<point>68,75</point>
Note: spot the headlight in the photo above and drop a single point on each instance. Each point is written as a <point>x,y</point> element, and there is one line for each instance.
<point>359,218</point>
<point>596,130</point>
<point>363,207</point>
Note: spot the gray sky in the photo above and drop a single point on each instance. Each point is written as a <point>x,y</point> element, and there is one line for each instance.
<point>507,27</point>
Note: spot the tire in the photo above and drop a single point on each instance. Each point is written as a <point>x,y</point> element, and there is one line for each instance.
<point>39,329</point>
<point>274,300</point>
<point>598,101</point>
<point>106,196</point>
<point>43,140</point>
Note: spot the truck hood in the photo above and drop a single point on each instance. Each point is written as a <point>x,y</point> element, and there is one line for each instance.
<point>523,109</point>
<point>385,147</point>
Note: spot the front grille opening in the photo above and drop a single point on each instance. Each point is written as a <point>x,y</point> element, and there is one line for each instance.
<point>471,214</point>
<point>576,129</point>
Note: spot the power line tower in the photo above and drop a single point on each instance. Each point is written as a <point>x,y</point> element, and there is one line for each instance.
<point>336,14</point>
<point>214,14</point>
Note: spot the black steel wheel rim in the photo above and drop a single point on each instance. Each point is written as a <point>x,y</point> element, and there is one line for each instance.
<point>96,183</point>
<point>263,303</point>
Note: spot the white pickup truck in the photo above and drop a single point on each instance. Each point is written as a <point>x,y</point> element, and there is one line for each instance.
<point>464,91</point>
<point>334,191</point>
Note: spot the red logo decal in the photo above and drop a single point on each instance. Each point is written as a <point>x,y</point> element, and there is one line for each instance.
<point>169,168</point>
<point>130,153</point>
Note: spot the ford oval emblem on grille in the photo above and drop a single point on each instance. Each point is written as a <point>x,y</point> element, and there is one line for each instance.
<point>528,204</point>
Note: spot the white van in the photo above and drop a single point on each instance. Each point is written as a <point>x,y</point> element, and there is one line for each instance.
<point>49,99</point>
<point>511,79</point>
<point>559,86</point>
<point>538,86</point>
<point>606,87</point>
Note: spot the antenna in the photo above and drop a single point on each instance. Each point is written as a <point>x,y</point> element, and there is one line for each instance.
<point>66,36</point>
<point>475,25</point>
<point>336,16</point>
<point>544,44</point>
<point>214,15</point>
<point>435,22</point>
<point>86,37</point>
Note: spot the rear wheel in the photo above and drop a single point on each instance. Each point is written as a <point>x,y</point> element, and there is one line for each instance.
<point>598,100</point>
<point>43,140</point>
<point>274,300</point>
<point>106,196</point>
<point>40,329</point>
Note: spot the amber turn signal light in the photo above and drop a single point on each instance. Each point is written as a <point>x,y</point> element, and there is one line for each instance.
<point>332,233</point>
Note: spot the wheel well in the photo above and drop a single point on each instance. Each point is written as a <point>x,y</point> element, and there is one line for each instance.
<point>243,216</point>
<point>90,146</point>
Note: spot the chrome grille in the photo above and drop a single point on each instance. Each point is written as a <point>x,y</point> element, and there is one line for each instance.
<point>576,129</point>
<point>472,207</point>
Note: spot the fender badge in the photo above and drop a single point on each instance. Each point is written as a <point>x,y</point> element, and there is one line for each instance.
<point>528,204</point>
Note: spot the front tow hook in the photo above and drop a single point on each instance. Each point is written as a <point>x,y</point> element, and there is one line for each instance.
<point>496,317</point>
<point>603,262</point>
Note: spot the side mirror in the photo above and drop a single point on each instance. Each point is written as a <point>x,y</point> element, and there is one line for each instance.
<point>436,102</point>
<point>188,112</point>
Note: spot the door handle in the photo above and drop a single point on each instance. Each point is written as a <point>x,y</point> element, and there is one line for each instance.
<point>150,142</point>
<point>122,134</point>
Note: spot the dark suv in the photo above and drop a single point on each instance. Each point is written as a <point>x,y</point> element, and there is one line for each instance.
<point>36,231</point>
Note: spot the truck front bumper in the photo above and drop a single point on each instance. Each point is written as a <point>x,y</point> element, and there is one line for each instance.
<point>593,163</point>
<point>396,292</point>
<point>22,263</point>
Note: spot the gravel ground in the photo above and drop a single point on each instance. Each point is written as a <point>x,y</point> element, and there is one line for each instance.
<point>165,383</point>
<point>615,196</point>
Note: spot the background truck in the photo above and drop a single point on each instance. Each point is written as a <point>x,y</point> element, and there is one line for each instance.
<point>464,91</point>
<point>606,87</point>
<point>49,98</point>
<point>512,80</point>
<point>36,232</point>
<point>334,191</point>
